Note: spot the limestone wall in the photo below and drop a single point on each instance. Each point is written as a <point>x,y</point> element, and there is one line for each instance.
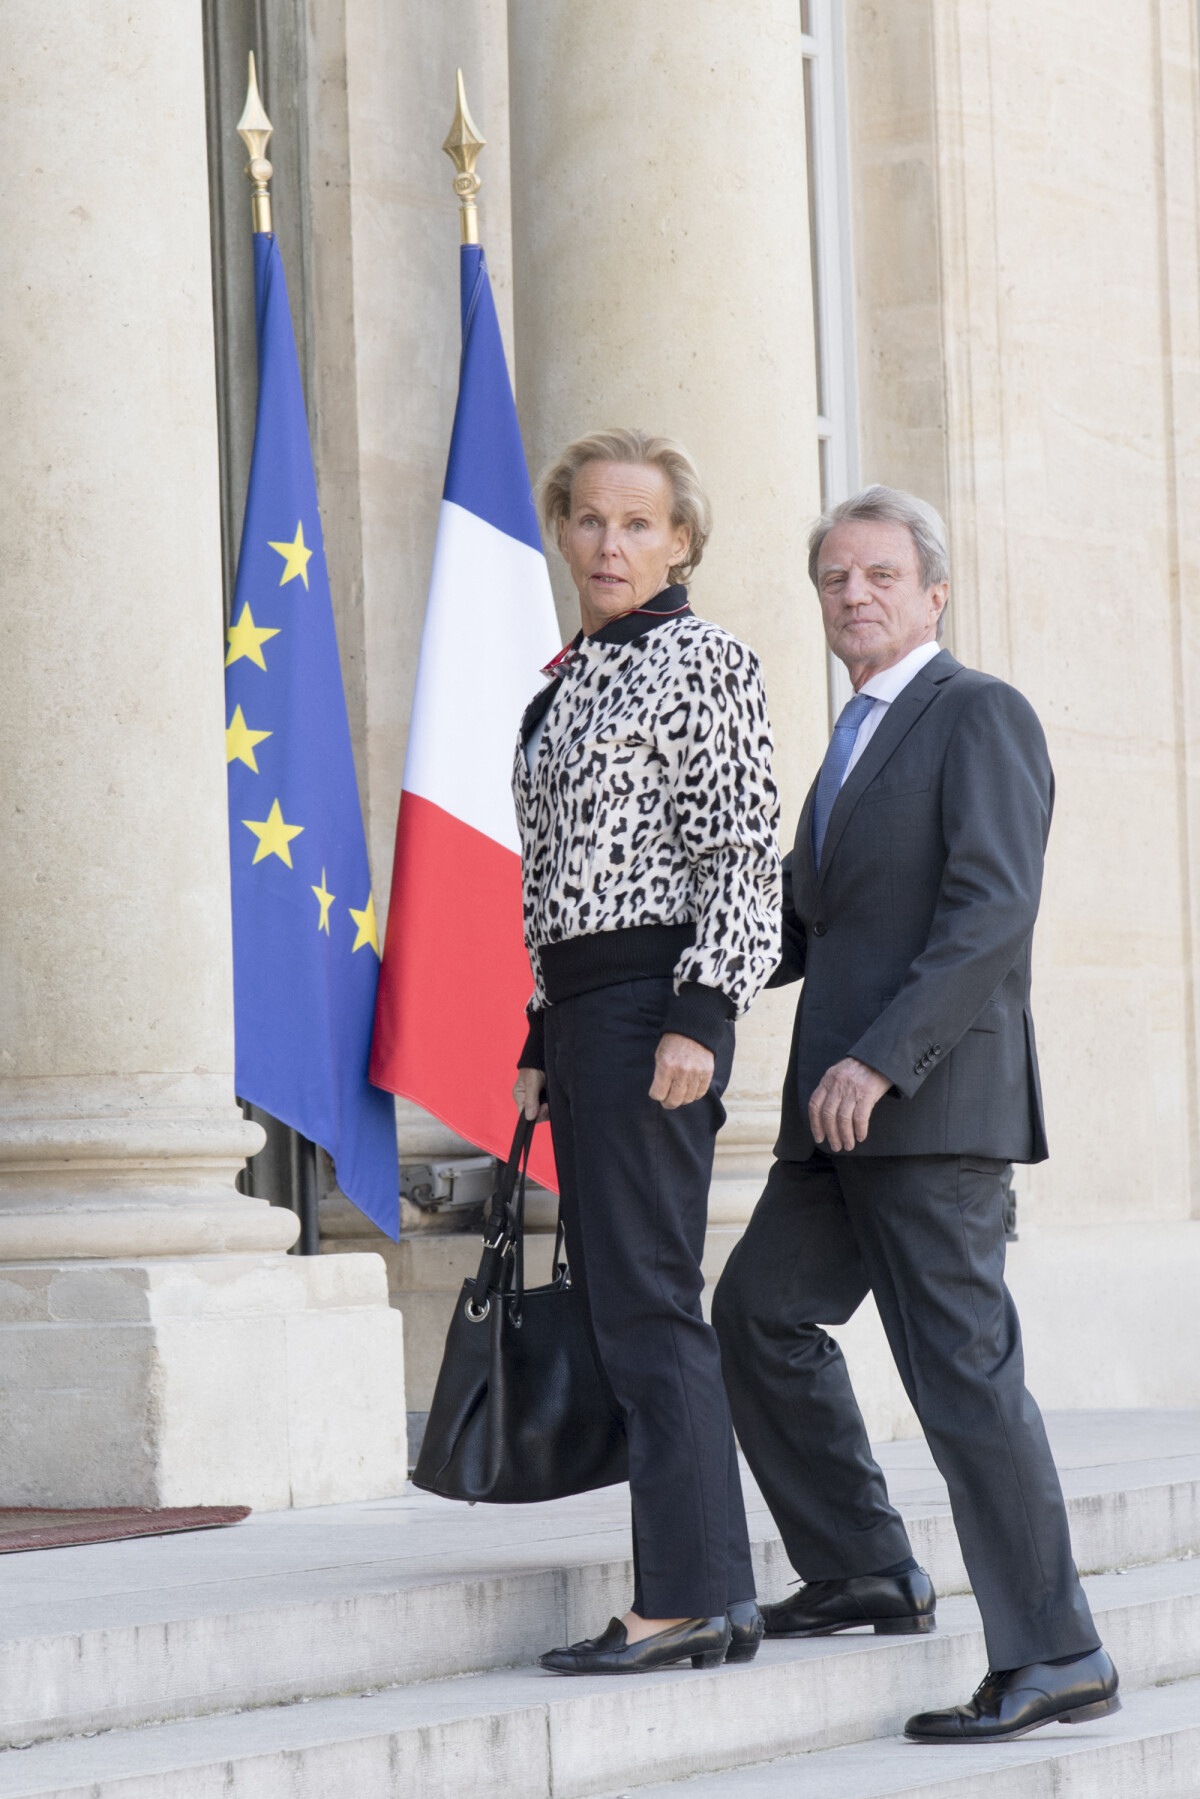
<point>1026,253</point>
<point>385,299</point>
<point>386,323</point>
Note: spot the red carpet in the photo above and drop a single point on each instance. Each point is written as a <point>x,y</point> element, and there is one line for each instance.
<point>35,1527</point>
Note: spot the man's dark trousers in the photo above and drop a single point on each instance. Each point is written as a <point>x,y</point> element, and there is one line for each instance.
<point>634,1180</point>
<point>913,939</point>
<point>926,1235</point>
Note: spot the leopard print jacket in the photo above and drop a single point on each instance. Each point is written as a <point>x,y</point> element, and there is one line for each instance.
<point>652,802</point>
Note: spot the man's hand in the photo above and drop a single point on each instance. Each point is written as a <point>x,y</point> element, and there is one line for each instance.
<point>840,1109</point>
<point>528,1091</point>
<point>683,1069</point>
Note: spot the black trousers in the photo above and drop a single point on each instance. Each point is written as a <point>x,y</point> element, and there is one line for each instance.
<point>634,1181</point>
<point>925,1234</point>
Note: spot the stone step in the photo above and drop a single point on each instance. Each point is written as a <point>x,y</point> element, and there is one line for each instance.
<point>1148,1750</point>
<point>1131,1481</point>
<point>521,1734</point>
<point>307,1605</point>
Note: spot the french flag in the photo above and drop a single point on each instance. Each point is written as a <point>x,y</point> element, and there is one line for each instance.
<point>449,1019</point>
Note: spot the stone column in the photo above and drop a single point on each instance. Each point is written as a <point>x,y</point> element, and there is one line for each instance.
<point>661,279</point>
<point>387,339</point>
<point>155,1345</point>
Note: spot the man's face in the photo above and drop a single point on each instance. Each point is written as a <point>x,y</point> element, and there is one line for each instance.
<point>872,601</point>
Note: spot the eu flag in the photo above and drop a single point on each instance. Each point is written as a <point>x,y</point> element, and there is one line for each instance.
<point>305,941</point>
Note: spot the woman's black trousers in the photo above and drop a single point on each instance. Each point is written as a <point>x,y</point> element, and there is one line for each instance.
<point>635,1184</point>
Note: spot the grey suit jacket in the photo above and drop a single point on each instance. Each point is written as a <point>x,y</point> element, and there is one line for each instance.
<point>913,940</point>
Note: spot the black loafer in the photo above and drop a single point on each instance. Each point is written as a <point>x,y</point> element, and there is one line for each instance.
<point>1017,1700</point>
<point>703,1641</point>
<point>895,1605</point>
<point>745,1631</point>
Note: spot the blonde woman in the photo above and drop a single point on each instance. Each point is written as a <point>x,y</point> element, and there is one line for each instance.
<point>648,817</point>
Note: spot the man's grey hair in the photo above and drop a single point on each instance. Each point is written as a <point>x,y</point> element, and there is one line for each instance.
<point>894,507</point>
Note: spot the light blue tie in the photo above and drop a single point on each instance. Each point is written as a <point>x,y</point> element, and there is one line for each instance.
<point>829,781</point>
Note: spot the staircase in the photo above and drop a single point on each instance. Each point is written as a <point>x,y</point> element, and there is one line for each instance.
<point>384,1651</point>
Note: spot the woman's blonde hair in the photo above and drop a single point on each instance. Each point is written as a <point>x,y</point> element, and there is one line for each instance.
<point>689,506</point>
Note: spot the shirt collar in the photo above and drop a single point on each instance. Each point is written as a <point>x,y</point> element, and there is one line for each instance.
<point>671,603</point>
<point>890,683</point>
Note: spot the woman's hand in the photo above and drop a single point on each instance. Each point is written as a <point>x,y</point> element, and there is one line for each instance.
<point>683,1069</point>
<point>528,1091</point>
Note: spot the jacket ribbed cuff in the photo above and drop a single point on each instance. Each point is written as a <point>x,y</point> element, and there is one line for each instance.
<point>700,1013</point>
<point>534,1053</point>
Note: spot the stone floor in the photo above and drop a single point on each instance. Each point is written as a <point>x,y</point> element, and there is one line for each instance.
<point>386,1650</point>
<point>417,1537</point>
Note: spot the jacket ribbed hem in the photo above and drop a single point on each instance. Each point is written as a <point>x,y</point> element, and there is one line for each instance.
<point>582,964</point>
<point>534,1053</point>
<point>701,1013</point>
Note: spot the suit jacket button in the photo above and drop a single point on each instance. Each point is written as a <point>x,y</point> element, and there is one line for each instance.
<point>819,928</point>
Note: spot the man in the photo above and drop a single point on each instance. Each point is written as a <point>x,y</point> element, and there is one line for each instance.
<point>909,904</point>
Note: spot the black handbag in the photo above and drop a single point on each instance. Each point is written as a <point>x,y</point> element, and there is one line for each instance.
<point>521,1411</point>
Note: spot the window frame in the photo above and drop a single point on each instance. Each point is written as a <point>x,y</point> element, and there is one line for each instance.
<point>827,136</point>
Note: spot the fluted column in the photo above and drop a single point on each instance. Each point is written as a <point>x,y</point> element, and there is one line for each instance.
<point>662,279</point>
<point>154,1345</point>
<point>118,1129</point>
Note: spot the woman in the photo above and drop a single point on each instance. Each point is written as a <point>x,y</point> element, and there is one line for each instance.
<point>648,815</point>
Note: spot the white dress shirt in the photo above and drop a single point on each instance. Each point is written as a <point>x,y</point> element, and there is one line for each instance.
<point>884,688</point>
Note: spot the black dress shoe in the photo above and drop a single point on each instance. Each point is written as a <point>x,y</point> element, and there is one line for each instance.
<point>745,1631</point>
<point>897,1605</point>
<point>703,1641</point>
<point>1017,1700</point>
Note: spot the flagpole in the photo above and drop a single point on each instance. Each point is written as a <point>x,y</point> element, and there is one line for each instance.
<point>254,128</point>
<point>462,146</point>
<point>449,1019</point>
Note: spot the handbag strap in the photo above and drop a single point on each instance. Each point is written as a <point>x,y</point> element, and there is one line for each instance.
<point>559,1267</point>
<point>506,1220</point>
<point>505,1233</point>
<point>519,1239</point>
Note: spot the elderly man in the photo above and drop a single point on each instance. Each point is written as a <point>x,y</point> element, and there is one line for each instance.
<point>909,904</point>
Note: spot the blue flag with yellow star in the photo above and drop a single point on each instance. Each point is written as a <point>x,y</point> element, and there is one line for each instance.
<point>305,942</point>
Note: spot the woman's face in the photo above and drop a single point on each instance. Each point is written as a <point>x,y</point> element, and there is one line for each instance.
<point>619,542</point>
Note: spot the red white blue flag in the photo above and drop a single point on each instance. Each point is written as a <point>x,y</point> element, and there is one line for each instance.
<point>449,1022</point>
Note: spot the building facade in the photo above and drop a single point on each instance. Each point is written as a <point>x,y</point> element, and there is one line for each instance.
<point>949,246</point>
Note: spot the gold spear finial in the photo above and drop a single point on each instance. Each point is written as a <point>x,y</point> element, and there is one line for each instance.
<point>462,146</point>
<point>254,128</point>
